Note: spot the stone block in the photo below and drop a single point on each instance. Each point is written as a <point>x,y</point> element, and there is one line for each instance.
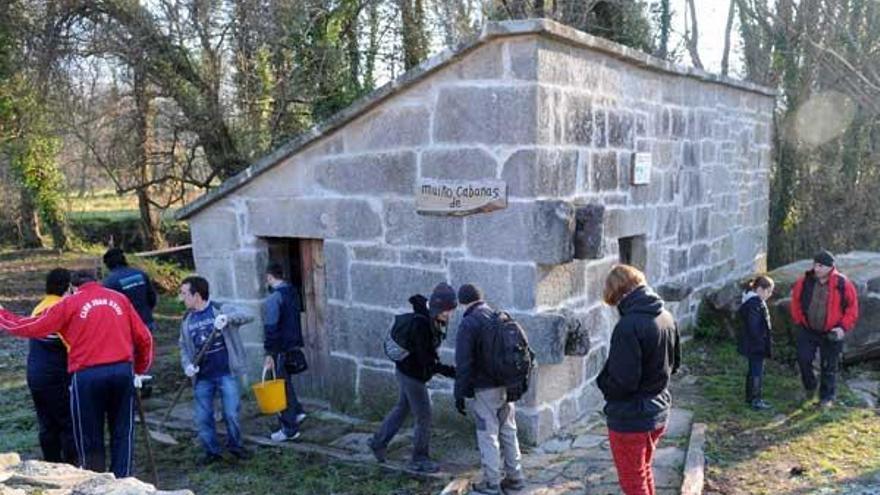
<point>410,124</point>
<point>600,128</point>
<point>531,173</point>
<point>624,166</point>
<point>620,129</point>
<point>552,382</point>
<point>686,219</point>
<point>702,223</point>
<point>674,291</point>
<point>485,115</point>
<point>373,173</point>
<point>556,283</point>
<point>627,223</point>
<point>746,247</point>
<point>492,278</point>
<point>421,257</point>
<point>250,273</point>
<point>524,281</point>
<point>550,115</point>
<point>596,273</point>
<point>589,233</point>
<point>547,334</point>
<point>389,286</point>
<point>367,328</point>
<point>534,427</point>
<point>341,381</point>
<point>405,227</point>
<point>458,164</point>
<point>541,231</point>
<point>692,188</point>
<point>484,63</point>
<point>524,60</point>
<point>220,275</point>
<point>679,123</point>
<point>214,231</point>
<point>595,361</point>
<point>569,411</point>
<point>699,255</point>
<point>374,252</point>
<point>689,155</point>
<point>314,218</point>
<point>578,119</point>
<point>377,390</point>
<point>604,171</point>
<point>591,398</point>
<point>578,340</point>
<point>336,268</point>
<point>678,261</point>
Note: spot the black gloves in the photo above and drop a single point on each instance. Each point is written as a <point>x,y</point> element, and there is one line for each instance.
<point>459,406</point>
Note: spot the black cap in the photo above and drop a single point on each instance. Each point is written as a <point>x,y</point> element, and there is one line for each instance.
<point>442,299</point>
<point>824,258</point>
<point>469,293</point>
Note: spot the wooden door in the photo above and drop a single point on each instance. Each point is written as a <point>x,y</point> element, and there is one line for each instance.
<point>317,345</point>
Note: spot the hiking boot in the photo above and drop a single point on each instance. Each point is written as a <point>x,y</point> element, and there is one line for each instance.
<point>280,436</point>
<point>760,405</point>
<point>426,466</point>
<point>513,484</point>
<point>378,452</point>
<point>241,453</point>
<point>486,488</point>
<point>208,459</point>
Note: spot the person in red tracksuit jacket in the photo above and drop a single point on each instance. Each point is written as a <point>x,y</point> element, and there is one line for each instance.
<point>825,305</point>
<point>109,350</point>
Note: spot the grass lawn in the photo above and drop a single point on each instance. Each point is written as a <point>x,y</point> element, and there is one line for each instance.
<point>271,470</point>
<point>795,448</point>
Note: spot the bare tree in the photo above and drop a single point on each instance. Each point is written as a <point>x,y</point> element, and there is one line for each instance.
<point>692,35</point>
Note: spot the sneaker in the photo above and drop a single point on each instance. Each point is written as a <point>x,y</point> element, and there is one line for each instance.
<point>378,452</point>
<point>241,453</point>
<point>826,404</point>
<point>208,459</point>
<point>280,436</point>
<point>760,405</point>
<point>486,488</point>
<point>513,484</point>
<point>426,466</point>
<point>300,418</point>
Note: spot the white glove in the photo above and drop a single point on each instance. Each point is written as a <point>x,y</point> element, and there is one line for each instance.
<point>191,370</point>
<point>139,380</point>
<point>220,322</point>
<point>838,332</point>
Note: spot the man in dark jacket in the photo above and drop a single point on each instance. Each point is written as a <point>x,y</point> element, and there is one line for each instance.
<point>134,283</point>
<point>495,414</point>
<point>282,335</point>
<point>645,351</point>
<point>825,305</point>
<point>48,380</point>
<point>413,372</point>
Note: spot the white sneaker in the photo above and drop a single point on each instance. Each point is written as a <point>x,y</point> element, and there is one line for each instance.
<point>280,436</point>
<point>301,417</point>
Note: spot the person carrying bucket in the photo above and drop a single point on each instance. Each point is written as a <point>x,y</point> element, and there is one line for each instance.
<point>221,367</point>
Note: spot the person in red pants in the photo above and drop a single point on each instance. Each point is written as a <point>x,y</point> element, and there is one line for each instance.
<point>645,351</point>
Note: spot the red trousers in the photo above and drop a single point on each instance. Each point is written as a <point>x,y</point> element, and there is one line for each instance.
<point>633,454</point>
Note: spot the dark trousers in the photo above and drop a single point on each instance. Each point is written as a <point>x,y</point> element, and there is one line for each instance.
<point>287,417</point>
<point>104,391</point>
<point>756,366</point>
<point>413,398</point>
<point>51,398</point>
<point>829,355</point>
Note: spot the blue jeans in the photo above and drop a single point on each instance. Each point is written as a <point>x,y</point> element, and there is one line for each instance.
<point>287,417</point>
<point>756,366</point>
<point>204,391</point>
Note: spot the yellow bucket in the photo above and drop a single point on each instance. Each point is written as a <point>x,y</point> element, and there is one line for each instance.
<point>271,396</point>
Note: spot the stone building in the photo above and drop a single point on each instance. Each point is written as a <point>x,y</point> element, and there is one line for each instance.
<point>589,152</point>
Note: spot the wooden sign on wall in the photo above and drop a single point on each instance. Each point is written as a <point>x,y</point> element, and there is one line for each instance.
<point>459,198</point>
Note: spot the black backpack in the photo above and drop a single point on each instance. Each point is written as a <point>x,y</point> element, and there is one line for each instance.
<point>509,359</point>
<point>398,341</point>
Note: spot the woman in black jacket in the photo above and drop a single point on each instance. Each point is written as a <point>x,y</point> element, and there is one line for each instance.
<point>754,342</point>
<point>413,373</point>
<point>645,351</point>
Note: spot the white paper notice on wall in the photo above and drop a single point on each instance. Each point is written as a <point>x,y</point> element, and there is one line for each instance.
<point>459,198</point>
<point>641,172</point>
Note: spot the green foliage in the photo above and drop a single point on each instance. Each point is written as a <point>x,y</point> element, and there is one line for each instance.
<point>124,228</point>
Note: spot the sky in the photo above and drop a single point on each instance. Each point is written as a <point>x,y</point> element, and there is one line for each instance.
<point>711,21</point>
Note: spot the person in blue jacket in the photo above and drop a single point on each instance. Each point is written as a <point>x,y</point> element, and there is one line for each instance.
<point>134,283</point>
<point>755,343</point>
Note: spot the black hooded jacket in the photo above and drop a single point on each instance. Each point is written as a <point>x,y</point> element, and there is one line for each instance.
<point>755,337</point>
<point>645,351</point>
<point>423,361</point>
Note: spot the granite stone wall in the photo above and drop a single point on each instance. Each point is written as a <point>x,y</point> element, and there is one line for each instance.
<point>556,114</point>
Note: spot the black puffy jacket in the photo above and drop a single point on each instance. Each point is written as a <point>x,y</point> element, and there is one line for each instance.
<point>423,361</point>
<point>645,351</point>
<point>755,337</point>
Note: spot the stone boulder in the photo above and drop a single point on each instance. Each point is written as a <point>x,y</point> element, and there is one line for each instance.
<point>25,477</point>
<point>863,343</point>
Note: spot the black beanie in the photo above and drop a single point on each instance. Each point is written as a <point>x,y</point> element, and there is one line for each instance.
<point>469,293</point>
<point>824,258</point>
<point>442,299</point>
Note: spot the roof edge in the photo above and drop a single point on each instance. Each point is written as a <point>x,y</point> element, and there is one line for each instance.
<point>489,32</point>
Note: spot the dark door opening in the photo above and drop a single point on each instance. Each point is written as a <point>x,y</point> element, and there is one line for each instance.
<point>633,251</point>
<point>303,262</point>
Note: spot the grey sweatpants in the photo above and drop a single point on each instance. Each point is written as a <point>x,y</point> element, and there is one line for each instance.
<point>496,435</point>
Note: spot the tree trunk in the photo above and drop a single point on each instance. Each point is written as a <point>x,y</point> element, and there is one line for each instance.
<point>151,225</point>
<point>412,22</point>
<point>693,38</point>
<point>29,226</point>
<point>725,59</point>
<point>665,27</point>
